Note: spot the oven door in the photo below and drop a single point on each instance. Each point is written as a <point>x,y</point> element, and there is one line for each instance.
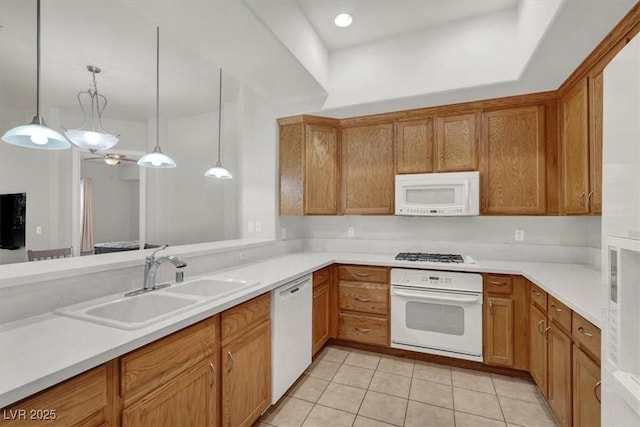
<point>446,323</point>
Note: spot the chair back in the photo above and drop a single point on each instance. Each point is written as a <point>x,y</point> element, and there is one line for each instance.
<point>48,254</point>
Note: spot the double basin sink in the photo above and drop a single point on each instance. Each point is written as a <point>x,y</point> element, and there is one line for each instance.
<point>142,310</point>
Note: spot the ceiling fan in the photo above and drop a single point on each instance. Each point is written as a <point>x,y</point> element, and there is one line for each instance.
<point>111,159</point>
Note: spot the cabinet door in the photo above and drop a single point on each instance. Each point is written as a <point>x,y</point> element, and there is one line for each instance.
<point>321,170</point>
<point>414,146</point>
<point>594,198</point>
<point>538,349</point>
<point>291,168</point>
<point>575,150</point>
<point>513,161</point>
<point>368,170</point>
<point>188,399</point>
<point>321,306</point>
<point>456,143</point>
<point>560,375</point>
<point>498,343</point>
<point>246,377</point>
<point>586,382</point>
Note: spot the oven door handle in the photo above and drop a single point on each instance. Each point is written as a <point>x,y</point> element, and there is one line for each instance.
<point>425,296</point>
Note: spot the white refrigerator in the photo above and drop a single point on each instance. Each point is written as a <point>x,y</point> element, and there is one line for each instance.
<point>621,239</point>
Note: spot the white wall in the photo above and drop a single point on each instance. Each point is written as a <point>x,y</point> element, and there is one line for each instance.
<point>44,176</point>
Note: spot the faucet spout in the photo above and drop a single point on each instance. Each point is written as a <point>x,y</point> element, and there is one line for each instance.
<point>151,266</point>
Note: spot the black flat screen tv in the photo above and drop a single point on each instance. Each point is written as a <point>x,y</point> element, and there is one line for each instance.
<point>13,218</point>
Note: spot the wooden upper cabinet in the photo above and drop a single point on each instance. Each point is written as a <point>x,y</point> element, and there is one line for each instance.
<point>414,146</point>
<point>321,170</point>
<point>513,162</point>
<point>595,142</point>
<point>368,170</point>
<point>456,143</point>
<point>308,166</point>
<point>574,113</point>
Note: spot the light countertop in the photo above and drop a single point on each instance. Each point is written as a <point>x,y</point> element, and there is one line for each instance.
<point>39,352</point>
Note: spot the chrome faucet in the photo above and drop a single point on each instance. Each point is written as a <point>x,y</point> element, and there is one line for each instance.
<point>151,265</point>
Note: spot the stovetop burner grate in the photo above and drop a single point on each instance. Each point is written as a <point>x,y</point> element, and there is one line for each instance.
<point>426,257</point>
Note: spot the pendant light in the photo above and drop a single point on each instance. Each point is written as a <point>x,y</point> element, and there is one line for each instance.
<point>36,134</point>
<point>218,171</point>
<point>157,159</point>
<point>95,138</point>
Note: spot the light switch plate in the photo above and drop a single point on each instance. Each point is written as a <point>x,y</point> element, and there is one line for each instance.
<point>519,237</point>
<point>351,231</point>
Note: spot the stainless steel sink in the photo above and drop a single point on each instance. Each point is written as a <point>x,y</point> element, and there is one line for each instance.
<point>132,312</point>
<point>210,288</point>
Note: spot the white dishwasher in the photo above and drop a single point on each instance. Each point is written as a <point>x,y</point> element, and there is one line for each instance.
<point>290,333</point>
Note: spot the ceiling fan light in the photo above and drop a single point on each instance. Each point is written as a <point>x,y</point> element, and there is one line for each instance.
<point>91,140</point>
<point>112,161</point>
<point>36,135</point>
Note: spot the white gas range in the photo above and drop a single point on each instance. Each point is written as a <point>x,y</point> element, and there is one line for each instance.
<point>437,312</point>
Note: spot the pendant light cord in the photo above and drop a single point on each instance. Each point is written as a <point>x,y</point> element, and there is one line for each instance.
<point>157,87</point>
<point>38,63</point>
<point>219,117</point>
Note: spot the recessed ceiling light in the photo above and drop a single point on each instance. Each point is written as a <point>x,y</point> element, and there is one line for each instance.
<point>343,20</point>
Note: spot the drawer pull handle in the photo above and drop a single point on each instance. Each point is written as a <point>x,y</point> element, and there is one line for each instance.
<point>589,198</point>
<point>540,326</point>
<point>583,332</point>
<point>363,299</point>
<point>362,274</point>
<point>213,374</point>
<point>545,334</point>
<point>581,200</point>
<point>595,391</point>
<point>363,330</point>
<point>499,283</point>
<point>556,309</point>
<point>230,356</point>
<point>536,293</point>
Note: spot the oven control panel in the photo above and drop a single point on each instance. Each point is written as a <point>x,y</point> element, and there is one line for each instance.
<point>437,279</point>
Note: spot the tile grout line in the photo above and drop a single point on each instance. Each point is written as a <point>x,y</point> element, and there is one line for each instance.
<point>504,418</point>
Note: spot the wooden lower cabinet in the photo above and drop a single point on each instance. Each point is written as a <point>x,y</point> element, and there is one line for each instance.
<point>364,329</point>
<point>560,384</point>
<point>538,349</point>
<point>79,401</point>
<point>321,316</point>
<point>246,376</point>
<point>498,349</point>
<point>586,386</point>
<point>188,399</point>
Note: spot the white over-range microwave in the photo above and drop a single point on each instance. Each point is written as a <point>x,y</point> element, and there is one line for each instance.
<point>438,194</point>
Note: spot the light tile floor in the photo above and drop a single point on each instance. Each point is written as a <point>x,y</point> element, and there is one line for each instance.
<point>353,388</point>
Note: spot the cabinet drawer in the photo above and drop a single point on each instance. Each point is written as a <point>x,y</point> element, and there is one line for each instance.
<point>364,297</point>
<point>240,319</point>
<point>586,335</point>
<point>321,276</point>
<point>154,364</point>
<point>364,274</point>
<point>559,313</point>
<point>498,284</point>
<point>365,329</point>
<point>65,404</point>
<point>539,297</point>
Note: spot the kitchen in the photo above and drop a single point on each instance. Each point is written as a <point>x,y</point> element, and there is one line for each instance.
<point>550,239</point>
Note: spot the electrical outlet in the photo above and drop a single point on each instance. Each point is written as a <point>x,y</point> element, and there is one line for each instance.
<point>351,231</point>
<point>258,226</point>
<point>283,233</point>
<point>243,256</point>
<point>250,226</point>
<point>39,229</point>
<point>519,237</point>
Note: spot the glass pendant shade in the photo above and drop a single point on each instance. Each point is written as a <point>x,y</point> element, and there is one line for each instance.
<point>156,159</point>
<point>36,135</point>
<point>218,172</point>
<point>96,138</point>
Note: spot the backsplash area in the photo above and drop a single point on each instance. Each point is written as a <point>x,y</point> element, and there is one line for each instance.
<point>547,238</point>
